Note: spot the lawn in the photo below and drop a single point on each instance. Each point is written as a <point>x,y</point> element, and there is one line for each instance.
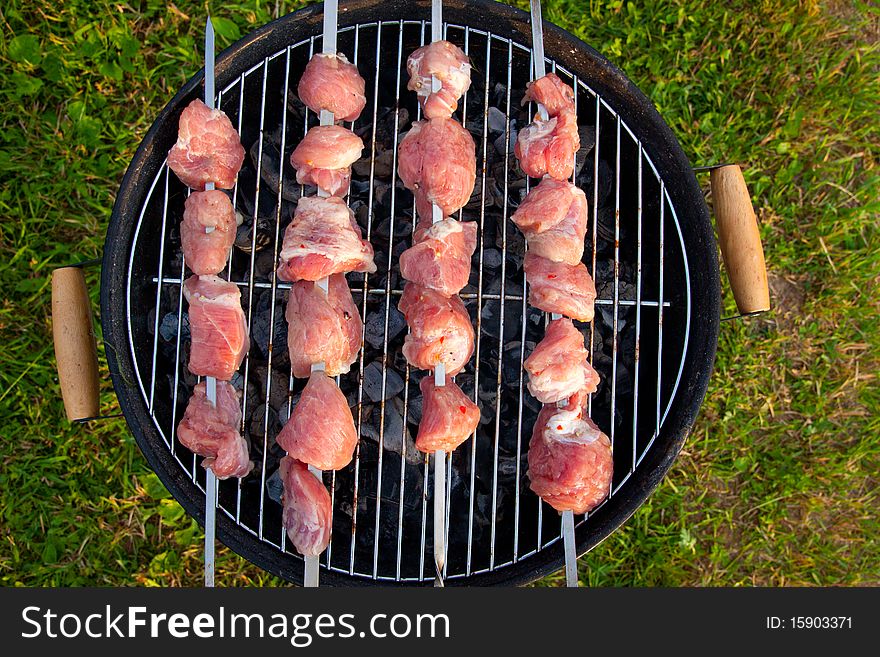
<point>777,484</point>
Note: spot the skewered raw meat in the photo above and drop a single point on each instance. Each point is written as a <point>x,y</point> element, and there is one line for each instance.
<point>322,327</point>
<point>324,158</point>
<point>438,164</point>
<point>217,326</point>
<point>208,148</point>
<point>307,508</point>
<point>440,329</point>
<point>570,460</point>
<point>440,257</point>
<point>450,66</point>
<point>330,82</point>
<point>323,239</point>
<point>556,287</point>
<point>321,430</point>
<point>448,416</point>
<point>553,218</point>
<point>548,147</point>
<point>552,93</point>
<point>206,252</point>
<point>558,366</point>
<point>212,431</point>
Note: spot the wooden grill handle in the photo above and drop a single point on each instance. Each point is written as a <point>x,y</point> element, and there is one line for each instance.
<point>740,240</point>
<point>75,349</point>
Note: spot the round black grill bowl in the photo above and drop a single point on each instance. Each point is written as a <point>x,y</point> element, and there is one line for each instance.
<point>687,327</point>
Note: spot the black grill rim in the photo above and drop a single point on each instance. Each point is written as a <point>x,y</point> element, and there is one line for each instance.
<point>508,22</point>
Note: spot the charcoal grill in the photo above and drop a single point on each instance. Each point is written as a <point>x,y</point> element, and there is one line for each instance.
<point>650,248</point>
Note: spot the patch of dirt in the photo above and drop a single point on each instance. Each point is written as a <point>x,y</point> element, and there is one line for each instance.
<point>848,14</point>
<point>787,297</point>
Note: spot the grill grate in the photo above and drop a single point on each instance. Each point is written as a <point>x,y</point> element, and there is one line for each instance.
<point>380,502</point>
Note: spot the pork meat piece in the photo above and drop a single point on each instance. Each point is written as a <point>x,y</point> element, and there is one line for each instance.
<point>322,327</point>
<point>324,158</point>
<point>552,93</point>
<point>437,162</point>
<point>451,67</point>
<point>570,460</point>
<point>321,430</point>
<point>212,431</point>
<point>548,147</point>
<point>323,239</point>
<point>332,83</point>
<point>553,218</point>
<point>556,287</point>
<point>440,329</point>
<point>440,257</point>
<point>448,416</point>
<point>208,148</point>
<point>206,252</point>
<point>307,508</point>
<point>217,327</point>
<point>558,366</point>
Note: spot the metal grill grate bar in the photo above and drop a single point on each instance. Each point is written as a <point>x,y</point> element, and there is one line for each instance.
<point>387,313</point>
<point>635,432</point>
<point>228,277</point>
<point>466,296</point>
<point>480,297</point>
<point>274,284</point>
<point>501,313</point>
<point>159,290</point>
<point>364,300</point>
<point>614,332</point>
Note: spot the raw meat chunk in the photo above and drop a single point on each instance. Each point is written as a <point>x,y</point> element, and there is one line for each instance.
<point>556,287</point>
<point>558,366</point>
<point>440,257</point>
<point>208,148</point>
<point>552,93</point>
<point>570,460</point>
<point>448,416</point>
<point>437,162</point>
<point>332,83</point>
<point>321,430</point>
<point>212,431</point>
<point>307,511</point>
<point>322,327</point>
<point>217,327</point>
<point>553,218</point>
<point>324,158</point>
<point>323,239</point>
<point>207,252</point>
<point>446,62</point>
<point>548,147</point>
<point>440,329</point>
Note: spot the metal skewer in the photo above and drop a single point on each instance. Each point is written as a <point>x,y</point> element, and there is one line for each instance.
<point>440,369</point>
<point>331,10</point>
<point>571,576</point>
<point>210,382</point>
<point>538,48</point>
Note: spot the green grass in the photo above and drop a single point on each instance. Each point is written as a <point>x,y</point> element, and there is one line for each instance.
<point>777,484</point>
